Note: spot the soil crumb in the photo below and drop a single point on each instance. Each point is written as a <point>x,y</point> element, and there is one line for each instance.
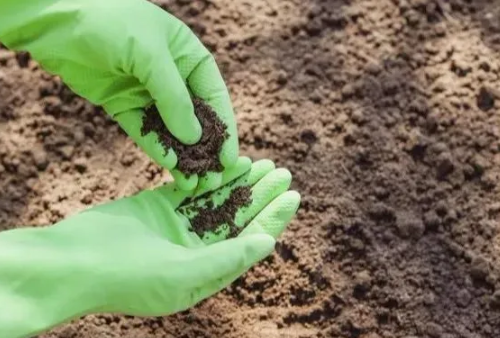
<point>192,159</point>
<point>210,218</point>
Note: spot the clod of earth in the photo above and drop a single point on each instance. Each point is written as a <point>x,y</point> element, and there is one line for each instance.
<point>201,157</point>
<point>210,218</point>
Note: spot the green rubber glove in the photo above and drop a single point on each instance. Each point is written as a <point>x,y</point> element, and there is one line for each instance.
<point>124,55</point>
<point>137,255</point>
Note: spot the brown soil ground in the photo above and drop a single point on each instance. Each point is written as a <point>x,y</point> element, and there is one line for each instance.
<point>386,112</point>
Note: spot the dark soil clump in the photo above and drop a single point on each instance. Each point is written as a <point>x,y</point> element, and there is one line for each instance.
<point>209,219</point>
<point>192,159</point>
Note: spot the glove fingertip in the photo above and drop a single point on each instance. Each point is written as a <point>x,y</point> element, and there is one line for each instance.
<point>284,174</point>
<point>229,154</point>
<point>183,182</point>
<point>259,246</point>
<point>167,161</point>
<point>180,118</point>
<point>193,135</point>
<point>274,219</point>
<point>295,198</point>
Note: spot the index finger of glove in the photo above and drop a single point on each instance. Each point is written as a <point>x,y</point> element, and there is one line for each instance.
<point>198,68</point>
<point>206,82</point>
<point>154,66</point>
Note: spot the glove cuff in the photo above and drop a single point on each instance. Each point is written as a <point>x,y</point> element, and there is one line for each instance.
<point>42,284</point>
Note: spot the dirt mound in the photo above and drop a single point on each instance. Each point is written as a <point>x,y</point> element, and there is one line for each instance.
<point>385,111</point>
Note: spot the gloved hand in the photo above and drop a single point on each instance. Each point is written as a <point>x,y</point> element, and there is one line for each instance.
<point>124,55</point>
<point>137,255</point>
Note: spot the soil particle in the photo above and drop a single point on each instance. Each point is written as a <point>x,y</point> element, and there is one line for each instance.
<point>362,284</point>
<point>431,220</point>
<point>195,159</point>
<point>209,218</point>
<point>460,67</point>
<point>80,164</point>
<point>429,298</point>
<point>40,158</point>
<point>485,99</point>
<point>409,225</point>
<point>479,268</point>
<point>308,136</point>
<point>495,299</point>
<point>442,208</point>
<point>66,151</point>
<point>128,158</point>
<point>434,330</point>
<point>380,211</point>
<point>463,298</point>
<point>451,217</point>
<point>445,166</point>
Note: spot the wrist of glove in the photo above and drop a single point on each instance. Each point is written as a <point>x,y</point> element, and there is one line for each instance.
<point>150,254</point>
<point>125,55</point>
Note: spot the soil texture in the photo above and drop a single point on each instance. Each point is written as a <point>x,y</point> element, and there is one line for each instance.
<point>387,113</point>
<point>210,218</point>
<point>201,157</point>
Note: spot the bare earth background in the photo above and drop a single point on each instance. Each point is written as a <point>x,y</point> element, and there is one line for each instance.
<point>387,113</point>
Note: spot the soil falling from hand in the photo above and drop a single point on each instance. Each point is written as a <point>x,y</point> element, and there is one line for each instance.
<point>209,219</point>
<point>201,157</point>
